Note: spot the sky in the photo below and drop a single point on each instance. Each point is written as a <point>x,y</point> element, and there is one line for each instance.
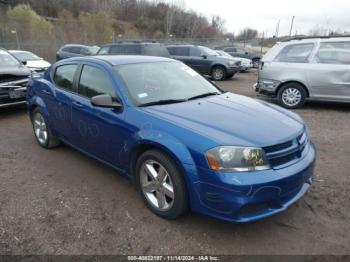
<point>264,15</point>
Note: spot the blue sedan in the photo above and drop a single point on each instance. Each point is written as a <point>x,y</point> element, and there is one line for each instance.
<point>184,143</point>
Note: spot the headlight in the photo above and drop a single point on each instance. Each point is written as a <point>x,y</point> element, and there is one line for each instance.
<point>231,63</point>
<point>239,159</point>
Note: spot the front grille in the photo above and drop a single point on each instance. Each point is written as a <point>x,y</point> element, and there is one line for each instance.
<point>4,79</point>
<point>287,152</point>
<point>6,88</point>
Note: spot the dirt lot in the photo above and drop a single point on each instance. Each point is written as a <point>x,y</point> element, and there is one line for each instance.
<point>62,202</point>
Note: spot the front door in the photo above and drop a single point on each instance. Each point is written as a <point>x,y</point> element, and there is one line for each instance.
<point>98,131</point>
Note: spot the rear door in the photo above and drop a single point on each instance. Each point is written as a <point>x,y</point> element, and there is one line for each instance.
<point>97,131</point>
<point>329,76</point>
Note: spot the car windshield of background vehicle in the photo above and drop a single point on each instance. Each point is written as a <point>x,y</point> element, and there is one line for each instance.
<point>207,51</point>
<point>7,60</point>
<point>152,82</point>
<point>26,56</point>
<point>93,49</point>
<point>333,53</point>
<point>298,53</point>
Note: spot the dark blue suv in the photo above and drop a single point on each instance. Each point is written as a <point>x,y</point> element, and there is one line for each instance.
<point>184,143</point>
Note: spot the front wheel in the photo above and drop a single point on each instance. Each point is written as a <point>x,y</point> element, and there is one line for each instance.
<point>291,96</point>
<point>161,184</point>
<point>218,73</point>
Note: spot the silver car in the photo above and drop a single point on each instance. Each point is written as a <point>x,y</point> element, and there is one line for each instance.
<point>309,68</point>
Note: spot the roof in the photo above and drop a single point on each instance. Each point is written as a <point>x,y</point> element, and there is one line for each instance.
<point>131,43</point>
<point>315,38</point>
<point>116,60</point>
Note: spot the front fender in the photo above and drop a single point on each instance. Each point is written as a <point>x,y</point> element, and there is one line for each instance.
<point>37,101</point>
<point>152,138</point>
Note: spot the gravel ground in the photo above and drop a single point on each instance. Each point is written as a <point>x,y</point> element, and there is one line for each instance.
<point>62,202</point>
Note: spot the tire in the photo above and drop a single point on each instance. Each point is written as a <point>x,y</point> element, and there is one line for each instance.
<point>230,76</point>
<point>291,96</point>
<point>157,195</point>
<point>218,73</point>
<point>42,131</point>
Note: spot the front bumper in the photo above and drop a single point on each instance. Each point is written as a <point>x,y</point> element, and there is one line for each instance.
<point>245,197</point>
<point>13,93</point>
<point>233,70</point>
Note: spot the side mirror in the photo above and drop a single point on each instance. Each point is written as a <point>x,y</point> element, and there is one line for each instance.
<point>105,101</point>
<point>204,56</point>
<point>246,53</point>
<point>24,62</point>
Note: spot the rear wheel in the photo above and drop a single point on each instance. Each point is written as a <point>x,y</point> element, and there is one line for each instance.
<point>292,95</point>
<point>218,73</point>
<point>42,131</point>
<point>161,184</point>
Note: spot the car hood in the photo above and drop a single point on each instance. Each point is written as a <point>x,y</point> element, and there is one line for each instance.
<point>230,119</point>
<point>38,64</point>
<point>13,73</point>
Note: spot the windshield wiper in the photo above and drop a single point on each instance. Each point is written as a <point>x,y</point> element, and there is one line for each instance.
<point>204,95</point>
<point>163,102</point>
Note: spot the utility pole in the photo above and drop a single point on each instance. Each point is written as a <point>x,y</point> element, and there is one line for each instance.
<point>262,43</point>
<point>277,28</point>
<point>291,26</point>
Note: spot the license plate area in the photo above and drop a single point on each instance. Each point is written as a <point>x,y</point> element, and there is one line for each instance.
<point>15,94</point>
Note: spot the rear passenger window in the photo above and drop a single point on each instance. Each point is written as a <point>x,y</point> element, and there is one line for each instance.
<point>64,76</point>
<point>116,49</point>
<point>95,82</point>
<point>179,51</point>
<point>74,49</point>
<point>132,49</point>
<point>333,53</point>
<point>230,49</point>
<point>298,53</point>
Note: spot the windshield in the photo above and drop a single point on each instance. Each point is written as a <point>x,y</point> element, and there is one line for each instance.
<point>25,56</point>
<point>224,54</point>
<point>93,49</point>
<point>207,51</point>
<point>151,82</point>
<point>7,60</point>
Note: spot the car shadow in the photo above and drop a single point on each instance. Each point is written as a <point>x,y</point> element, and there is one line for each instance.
<point>12,111</point>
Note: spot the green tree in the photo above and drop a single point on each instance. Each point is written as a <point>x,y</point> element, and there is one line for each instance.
<point>96,27</point>
<point>28,24</point>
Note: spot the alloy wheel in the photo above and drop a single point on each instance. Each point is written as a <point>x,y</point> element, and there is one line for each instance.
<point>40,128</point>
<point>218,74</point>
<point>156,185</point>
<point>291,97</point>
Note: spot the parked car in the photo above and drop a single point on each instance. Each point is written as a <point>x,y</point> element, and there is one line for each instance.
<point>312,68</point>
<point>242,52</point>
<point>205,61</point>
<point>184,143</point>
<point>246,63</point>
<point>134,48</point>
<point>72,50</point>
<point>31,60</point>
<point>13,80</point>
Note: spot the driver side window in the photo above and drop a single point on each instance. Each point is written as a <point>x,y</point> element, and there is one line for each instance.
<point>195,51</point>
<point>94,82</point>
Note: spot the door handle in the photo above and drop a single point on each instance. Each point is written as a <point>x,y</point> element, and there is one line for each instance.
<point>47,92</point>
<point>78,104</point>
